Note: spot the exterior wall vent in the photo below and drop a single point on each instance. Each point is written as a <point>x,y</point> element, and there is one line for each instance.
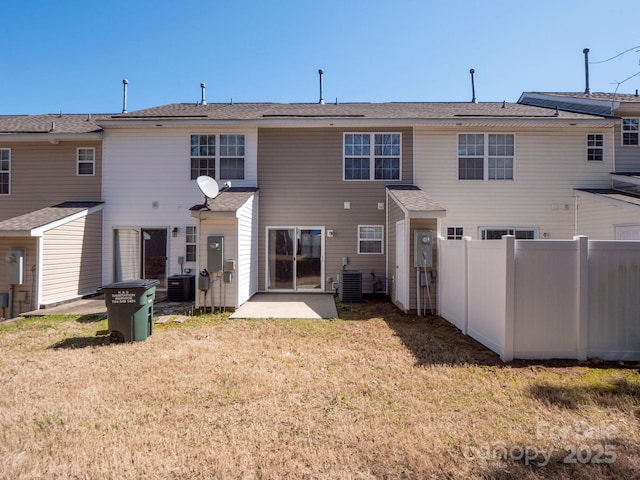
<point>350,289</point>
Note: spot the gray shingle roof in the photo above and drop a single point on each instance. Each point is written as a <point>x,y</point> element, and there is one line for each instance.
<point>611,194</point>
<point>228,200</point>
<point>392,110</point>
<point>50,123</point>
<point>414,199</point>
<point>44,216</point>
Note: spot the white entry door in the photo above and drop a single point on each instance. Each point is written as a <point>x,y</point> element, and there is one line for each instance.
<point>401,266</point>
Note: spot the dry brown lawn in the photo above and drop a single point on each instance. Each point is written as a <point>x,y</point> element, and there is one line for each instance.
<point>374,394</point>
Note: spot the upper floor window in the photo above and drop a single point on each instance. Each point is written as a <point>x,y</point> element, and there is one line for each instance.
<point>221,157</point>
<point>370,238</point>
<point>486,156</point>
<point>191,243</point>
<point>595,147</point>
<point>5,171</point>
<point>521,233</point>
<point>85,161</point>
<point>372,156</point>
<point>630,129</point>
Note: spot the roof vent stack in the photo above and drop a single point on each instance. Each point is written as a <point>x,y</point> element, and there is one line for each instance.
<point>203,87</point>
<point>587,90</point>
<point>125,84</point>
<point>473,87</point>
<point>321,73</point>
<point>53,127</point>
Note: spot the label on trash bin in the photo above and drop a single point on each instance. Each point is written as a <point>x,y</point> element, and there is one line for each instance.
<point>124,296</point>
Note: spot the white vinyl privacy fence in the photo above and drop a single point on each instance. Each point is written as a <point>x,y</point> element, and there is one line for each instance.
<point>540,299</point>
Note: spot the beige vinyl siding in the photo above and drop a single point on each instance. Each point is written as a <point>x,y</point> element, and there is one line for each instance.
<point>43,174</point>
<point>30,244</point>
<point>300,173</point>
<point>598,219</point>
<point>71,259</point>
<point>549,164</point>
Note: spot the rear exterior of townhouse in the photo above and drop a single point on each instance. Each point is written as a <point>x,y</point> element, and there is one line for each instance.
<point>50,210</point>
<point>612,211</point>
<point>309,191</point>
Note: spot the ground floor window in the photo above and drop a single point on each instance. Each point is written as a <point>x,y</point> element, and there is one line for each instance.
<point>190,252</point>
<point>455,233</point>
<point>369,238</point>
<point>496,233</point>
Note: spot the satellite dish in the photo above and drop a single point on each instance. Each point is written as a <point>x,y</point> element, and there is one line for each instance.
<point>208,186</point>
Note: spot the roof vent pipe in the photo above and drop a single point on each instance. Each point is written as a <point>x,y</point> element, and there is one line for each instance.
<point>203,87</point>
<point>587,90</point>
<point>320,72</point>
<point>473,87</point>
<point>125,83</point>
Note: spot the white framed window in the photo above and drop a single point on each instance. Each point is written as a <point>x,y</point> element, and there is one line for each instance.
<point>370,238</point>
<point>496,233</point>
<point>455,233</point>
<point>486,156</point>
<point>221,157</point>
<point>630,130</point>
<point>595,147</point>
<point>231,157</point>
<point>85,161</point>
<point>5,171</point>
<point>372,156</point>
<point>191,241</point>
<point>203,156</point>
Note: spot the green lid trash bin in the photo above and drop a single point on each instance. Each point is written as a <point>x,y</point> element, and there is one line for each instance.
<point>130,309</point>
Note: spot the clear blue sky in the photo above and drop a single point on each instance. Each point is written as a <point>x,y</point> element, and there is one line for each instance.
<point>72,55</point>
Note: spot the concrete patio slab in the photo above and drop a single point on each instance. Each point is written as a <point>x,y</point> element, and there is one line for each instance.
<point>288,305</point>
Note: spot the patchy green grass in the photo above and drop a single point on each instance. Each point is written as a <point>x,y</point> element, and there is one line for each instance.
<point>373,394</point>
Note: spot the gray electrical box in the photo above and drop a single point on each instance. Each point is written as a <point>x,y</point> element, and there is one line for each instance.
<point>15,265</point>
<point>215,253</point>
<point>423,248</point>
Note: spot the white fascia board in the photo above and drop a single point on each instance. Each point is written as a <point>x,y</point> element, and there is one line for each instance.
<point>50,137</point>
<point>39,232</point>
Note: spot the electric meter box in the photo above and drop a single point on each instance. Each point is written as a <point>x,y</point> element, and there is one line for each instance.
<point>15,260</point>
<point>215,253</point>
<point>423,244</point>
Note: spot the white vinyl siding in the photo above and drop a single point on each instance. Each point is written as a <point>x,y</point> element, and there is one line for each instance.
<point>550,166</point>
<point>85,161</point>
<point>5,171</point>
<point>155,191</point>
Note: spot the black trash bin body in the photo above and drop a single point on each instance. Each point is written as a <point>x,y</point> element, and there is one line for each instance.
<point>130,309</point>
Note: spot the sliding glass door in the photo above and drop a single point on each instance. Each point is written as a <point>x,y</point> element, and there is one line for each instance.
<point>295,258</point>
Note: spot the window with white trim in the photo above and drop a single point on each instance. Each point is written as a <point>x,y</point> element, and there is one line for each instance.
<point>5,171</point>
<point>370,238</point>
<point>455,233</point>
<point>191,240</point>
<point>227,162</point>
<point>595,147</point>
<point>372,156</point>
<point>85,161</point>
<point>630,130</point>
<point>486,156</point>
<point>496,233</point>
